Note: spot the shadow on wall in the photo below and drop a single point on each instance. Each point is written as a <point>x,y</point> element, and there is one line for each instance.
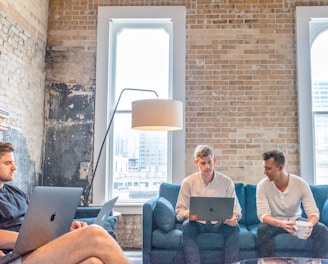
<point>25,175</point>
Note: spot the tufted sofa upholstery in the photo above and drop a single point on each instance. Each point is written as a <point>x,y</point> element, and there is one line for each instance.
<point>162,232</point>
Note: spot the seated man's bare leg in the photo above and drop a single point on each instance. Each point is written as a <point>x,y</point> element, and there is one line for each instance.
<point>80,246</point>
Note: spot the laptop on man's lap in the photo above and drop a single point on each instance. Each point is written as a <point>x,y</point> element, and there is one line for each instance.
<point>49,215</point>
<point>105,211</point>
<point>211,208</point>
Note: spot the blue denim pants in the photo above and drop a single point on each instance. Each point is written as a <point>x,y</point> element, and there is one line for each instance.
<point>191,230</point>
<point>266,232</point>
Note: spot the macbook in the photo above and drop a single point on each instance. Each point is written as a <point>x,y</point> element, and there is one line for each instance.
<point>49,215</point>
<point>105,211</point>
<point>211,208</point>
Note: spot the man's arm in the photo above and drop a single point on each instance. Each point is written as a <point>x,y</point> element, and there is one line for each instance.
<point>313,219</point>
<point>182,206</point>
<point>289,226</point>
<point>309,204</point>
<point>231,192</point>
<point>262,204</point>
<point>263,208</point>
<point>7,239</point>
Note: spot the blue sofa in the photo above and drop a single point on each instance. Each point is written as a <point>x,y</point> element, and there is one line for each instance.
<point>162,232</point>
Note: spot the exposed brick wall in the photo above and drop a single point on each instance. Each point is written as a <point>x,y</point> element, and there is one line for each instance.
<point>23,32</point>
<point>129,232</point>
<point>241,94</point>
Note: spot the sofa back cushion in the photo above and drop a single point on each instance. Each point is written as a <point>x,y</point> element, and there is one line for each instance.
<point>320,194</point>
<point>170,192</point>
<point>164,215</point>
<point>324,213</point>
<point>251,213</point>
<point>240,192</point>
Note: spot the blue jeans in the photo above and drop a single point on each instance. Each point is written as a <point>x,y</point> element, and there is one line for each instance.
<point>191,230</point>
<point>266,232</point>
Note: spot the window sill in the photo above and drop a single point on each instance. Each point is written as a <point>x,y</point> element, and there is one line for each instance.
<point>129,208</point>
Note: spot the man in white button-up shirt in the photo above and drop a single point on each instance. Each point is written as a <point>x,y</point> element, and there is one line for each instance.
<point>207,183</point>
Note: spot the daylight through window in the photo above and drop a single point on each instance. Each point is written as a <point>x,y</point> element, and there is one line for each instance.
<point>141,59</point>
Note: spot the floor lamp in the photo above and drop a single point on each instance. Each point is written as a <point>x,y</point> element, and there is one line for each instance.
<point>149,114</point>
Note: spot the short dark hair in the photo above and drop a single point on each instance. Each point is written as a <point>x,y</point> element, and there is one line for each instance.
<point>277,155</point>
<point>202,151</point>
<point>5,148</point>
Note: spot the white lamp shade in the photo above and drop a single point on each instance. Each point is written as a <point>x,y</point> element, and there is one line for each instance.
<point>157,114</point>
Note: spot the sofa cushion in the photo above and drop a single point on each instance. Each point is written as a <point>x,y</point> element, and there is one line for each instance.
<point>240,192</point>
<point>324,213</point>
<point>251,213</point>
<point>109,225</point>
<point>320,194</point>
<point>167,240</point>
<point>247,238</point>
<point>164,215</point>
<point>170,192</point>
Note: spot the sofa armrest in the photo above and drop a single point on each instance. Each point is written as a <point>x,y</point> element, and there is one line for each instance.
<point>147,228</point>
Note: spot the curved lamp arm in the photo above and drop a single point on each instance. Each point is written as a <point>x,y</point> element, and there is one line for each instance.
<point>87,193</point>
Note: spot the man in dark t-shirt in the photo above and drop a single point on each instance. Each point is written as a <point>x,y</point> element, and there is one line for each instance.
<point>74,246</point>
<point>13,205</point>
<point>14,202</point>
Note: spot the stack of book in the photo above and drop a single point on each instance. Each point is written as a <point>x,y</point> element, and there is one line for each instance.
<point>4,115</point>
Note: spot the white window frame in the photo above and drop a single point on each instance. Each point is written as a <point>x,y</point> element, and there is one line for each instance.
<point>304,85</point>
<point>102,113</point>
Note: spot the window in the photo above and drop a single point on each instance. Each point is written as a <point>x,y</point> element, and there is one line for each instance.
<point>319,78</point>
<point>134,169</point>
<point>312,82</point>
<point>140,53</point>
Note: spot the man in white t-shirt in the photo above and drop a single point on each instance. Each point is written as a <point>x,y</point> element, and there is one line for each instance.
<point>279,197</point>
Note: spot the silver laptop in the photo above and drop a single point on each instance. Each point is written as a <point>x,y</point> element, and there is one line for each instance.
<point>49,215</point>
<point>211,208</point>
<point>105,211</point>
